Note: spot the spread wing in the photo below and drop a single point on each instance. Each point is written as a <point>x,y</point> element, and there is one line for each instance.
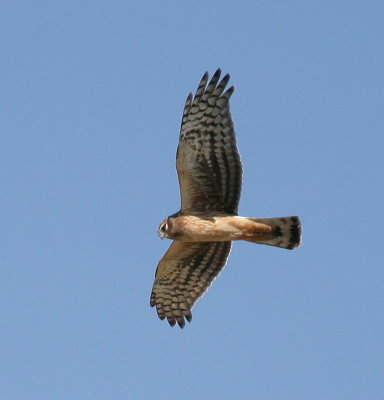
<point>183,275</point>
<point>208,163</point>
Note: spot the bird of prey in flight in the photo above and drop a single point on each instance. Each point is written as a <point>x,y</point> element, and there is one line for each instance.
<point>209,171</point>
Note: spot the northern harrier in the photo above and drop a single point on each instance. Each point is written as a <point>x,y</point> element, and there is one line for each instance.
<point>209,171</point>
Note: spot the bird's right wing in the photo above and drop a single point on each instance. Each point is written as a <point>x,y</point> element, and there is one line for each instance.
<point>183,275</point>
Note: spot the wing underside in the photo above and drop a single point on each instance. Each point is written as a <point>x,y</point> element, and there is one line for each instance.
<point>183,275</point>
<point>208,162</point>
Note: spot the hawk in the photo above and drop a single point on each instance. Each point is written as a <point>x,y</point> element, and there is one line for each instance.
<point>209,171</point>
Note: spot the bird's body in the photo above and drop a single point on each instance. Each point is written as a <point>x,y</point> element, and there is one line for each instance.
<point>209,170</point>
<point>279,232</point>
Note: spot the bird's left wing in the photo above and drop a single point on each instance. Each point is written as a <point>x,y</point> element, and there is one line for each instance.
<point>208,163</point>
<point>183,275</point>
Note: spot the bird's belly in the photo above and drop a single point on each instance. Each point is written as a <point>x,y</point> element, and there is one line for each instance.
<point>207,229</point>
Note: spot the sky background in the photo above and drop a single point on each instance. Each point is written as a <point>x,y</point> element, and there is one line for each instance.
<point>91,100</point>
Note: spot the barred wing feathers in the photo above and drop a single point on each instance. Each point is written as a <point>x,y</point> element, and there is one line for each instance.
<point>183,275</point>
<point>208,162</point>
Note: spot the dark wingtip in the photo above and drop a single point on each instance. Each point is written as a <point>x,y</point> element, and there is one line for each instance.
<point>181,323</point>
<point>217,72</point>
<point>226,77</point>
<point>228,93</point>
<point>205,76</point>
<point>179,320</point>
<point>188,317</point>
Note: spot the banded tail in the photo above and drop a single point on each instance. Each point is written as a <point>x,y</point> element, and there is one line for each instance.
<point>286,232</point>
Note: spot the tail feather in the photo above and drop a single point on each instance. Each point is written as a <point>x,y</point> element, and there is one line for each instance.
<point>286,232</point>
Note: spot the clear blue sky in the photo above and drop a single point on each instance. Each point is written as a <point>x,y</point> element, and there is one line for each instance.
<point>91,100</point>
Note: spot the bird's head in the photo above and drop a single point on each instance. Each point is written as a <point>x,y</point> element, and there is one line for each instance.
<point>164,229</point>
